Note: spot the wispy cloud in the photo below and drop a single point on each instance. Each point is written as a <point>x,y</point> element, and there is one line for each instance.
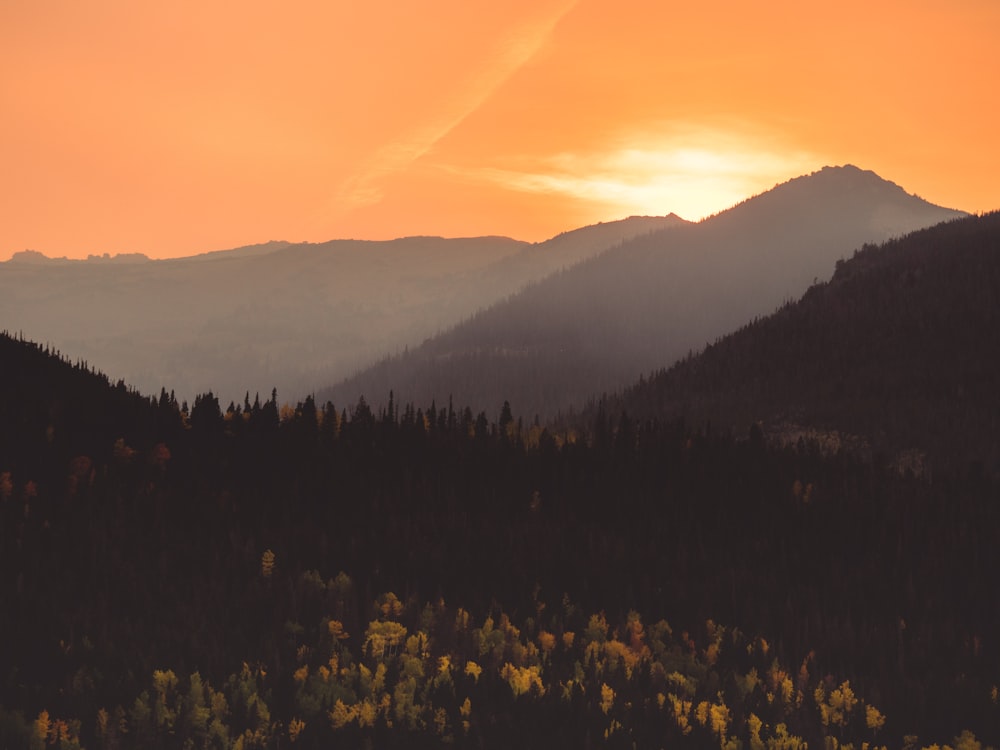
<point>694,174</point>
<point>512,52</point>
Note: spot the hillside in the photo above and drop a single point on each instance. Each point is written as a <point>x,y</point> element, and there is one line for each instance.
<point>896,349</point>
<point>600,324</point>
<point>291,316</point>
<point>81,413</point>
<point>419,577</point>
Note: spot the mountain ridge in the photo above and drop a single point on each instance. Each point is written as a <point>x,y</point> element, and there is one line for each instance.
<point>637,307</point>
<point>279,314</point>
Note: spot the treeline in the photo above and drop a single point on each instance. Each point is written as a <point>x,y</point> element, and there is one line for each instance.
<point>151,538</point>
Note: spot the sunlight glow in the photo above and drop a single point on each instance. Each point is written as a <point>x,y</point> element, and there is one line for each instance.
<point>693,181</point>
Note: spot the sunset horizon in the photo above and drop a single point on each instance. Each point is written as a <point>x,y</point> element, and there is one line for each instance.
<point>172,132</point>
<point>415,235</point>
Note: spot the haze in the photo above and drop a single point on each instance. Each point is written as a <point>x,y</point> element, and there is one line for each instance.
<point>172,129</point>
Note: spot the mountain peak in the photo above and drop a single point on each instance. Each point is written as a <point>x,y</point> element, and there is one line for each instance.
<point>846,191</point>
<point>846,175</point>
<point>854,173</point>
<point>29,256</point>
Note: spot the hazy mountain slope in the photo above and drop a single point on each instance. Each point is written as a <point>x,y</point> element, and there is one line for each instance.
<point>569,248</point>
<point>279,314</point>
<point>236,321</point>
<point>898,349</point>
<point>598,325</point>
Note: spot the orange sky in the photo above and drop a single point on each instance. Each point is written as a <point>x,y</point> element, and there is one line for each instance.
<point>178,128</point>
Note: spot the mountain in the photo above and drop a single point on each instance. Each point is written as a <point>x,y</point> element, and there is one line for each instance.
<point>283,315</point>
<point>896,354</point>
<point>598,325</point>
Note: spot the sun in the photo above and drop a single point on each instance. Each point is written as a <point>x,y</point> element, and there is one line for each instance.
<point>694,174</point>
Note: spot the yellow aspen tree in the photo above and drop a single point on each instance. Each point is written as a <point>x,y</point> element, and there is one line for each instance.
<point>378,682</point>
<point>967,741</point>
<point>383,636</point>
<point>440,721</point>
<point>465,711</point>
<point>567,690</point>
<point>521,679</point>
<point>444,665</point>
<point>341,715</point>
<point>366,713</point>
<point>597,629</point>
<point>712,654</point>
<point>874,719</point>
<point>682,712</point>
<point>295,727</point>
<point>754,724</point>
<point>546,641</point>
<point>336,628</point>
<point>60,733</point>
<point>267,563</point>
<point>782,740</point>
<point>701,713</point>
<point>42,724</point>
<point>607,697</point>
<point>473,670</point>
<point>718,717</point>
<point>388,605</point>
<point>613,727</point>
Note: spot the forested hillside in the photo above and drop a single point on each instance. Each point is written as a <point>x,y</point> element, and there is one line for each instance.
<point>896,352</point>
<point>316,575</point>
<point>599,325</point>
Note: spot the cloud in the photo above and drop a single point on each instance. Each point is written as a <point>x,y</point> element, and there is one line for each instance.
<point>511,53</point>
<point>693,173</point>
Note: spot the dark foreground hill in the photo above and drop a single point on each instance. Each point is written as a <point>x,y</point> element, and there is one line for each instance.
<point>898,353</point>
<point>597,326</point>
<point>311,577</point>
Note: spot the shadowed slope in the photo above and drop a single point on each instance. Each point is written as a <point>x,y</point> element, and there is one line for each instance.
<point>898,349</point>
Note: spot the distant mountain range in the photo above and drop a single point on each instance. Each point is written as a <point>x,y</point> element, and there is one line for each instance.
<point>291,316</point>
<point>598,325</point>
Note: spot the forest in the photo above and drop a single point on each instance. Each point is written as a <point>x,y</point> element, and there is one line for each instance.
<point>271,574</point>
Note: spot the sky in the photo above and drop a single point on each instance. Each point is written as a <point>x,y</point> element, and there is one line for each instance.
<point>177,128</point>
